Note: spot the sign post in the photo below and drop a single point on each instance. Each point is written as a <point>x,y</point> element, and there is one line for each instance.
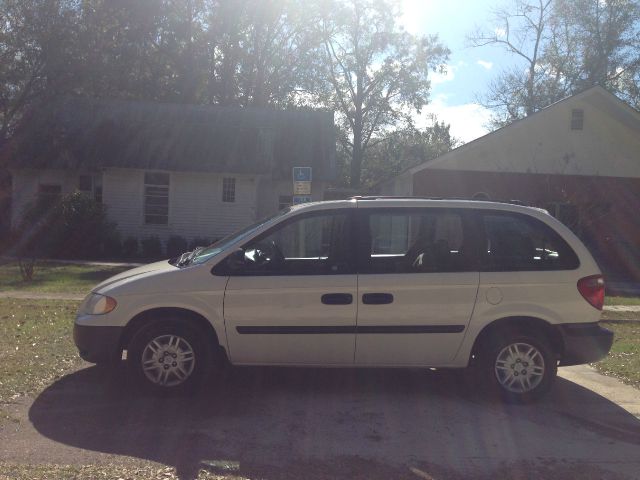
<point>302,185</point>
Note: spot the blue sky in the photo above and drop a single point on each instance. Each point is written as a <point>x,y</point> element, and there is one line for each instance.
<point>453,96</point>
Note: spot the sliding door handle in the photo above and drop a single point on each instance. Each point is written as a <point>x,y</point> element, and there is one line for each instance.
<point>377,298</point>
<point>337,299</point>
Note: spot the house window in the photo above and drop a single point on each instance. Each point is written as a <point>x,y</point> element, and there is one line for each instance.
<point>284,201</point>
<point>156,198</point>
<point>228,189</point>
<point>577,119</point>
<point>91,186</point>
<point>49,193</point>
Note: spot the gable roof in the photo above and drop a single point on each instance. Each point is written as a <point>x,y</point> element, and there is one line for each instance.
<point>74,132</point>
<point>596,97</point>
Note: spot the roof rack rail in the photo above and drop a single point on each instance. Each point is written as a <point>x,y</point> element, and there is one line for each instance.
<point>394,197</point>
<point>410,197</point>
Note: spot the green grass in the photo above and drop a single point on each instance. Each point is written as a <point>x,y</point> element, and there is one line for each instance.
<point>615,316</point>
<point>622,301</point>
<point>36,345</point>
<point>623,360</point>
<point>52,277</point>
<point>14,471</point>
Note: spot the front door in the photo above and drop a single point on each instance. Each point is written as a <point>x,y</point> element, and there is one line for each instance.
<point>292,299</point>
<point>417,286</point>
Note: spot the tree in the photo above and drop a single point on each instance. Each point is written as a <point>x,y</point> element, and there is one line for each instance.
<point>561,48</point>
<point>36,48</point>
<point>405,148</point>
<point>597,42</point>
<point>377,73</point>
<point>262,52</point>
<point>523,89</point>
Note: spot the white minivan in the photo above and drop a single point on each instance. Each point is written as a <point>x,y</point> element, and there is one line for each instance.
<point>364,282</point>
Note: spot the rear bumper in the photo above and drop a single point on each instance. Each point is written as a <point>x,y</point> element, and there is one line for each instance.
<point>584,343</point>
<point>98,344</point>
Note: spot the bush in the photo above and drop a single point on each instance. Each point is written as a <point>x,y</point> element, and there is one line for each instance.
<point>176,245</point>
<point>199,242</point>
<point>130,247</point>
<point>74,226</point>
<point>151,247</point>
<point>112,246</point>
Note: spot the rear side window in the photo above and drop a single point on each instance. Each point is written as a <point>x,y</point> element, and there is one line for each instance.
<point>414,241</point>
<point>517,242</point>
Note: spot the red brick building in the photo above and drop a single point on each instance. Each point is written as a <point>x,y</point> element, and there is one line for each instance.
<point>578,158</point>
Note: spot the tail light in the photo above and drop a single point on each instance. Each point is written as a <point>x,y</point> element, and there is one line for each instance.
<point>592,289</point>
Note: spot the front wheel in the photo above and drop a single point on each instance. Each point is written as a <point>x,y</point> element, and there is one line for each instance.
<point>169,357</point>
<point>521,366</point>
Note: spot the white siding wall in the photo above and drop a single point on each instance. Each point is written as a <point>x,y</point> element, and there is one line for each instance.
<point>196,208</point>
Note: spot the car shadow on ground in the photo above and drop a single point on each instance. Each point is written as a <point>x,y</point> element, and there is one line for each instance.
<point>285,423</point>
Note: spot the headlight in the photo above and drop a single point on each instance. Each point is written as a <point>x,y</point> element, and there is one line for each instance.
<point>97,304</point>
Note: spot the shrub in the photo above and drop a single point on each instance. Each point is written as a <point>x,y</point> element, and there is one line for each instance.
<point>74,226</point>
<point>151,247</point>
<point>199,242</point>
<point>130,247</point>
<point>112,245</point>
<point>176,245</point>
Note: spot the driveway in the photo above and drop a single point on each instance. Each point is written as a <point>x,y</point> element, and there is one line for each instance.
<point>373,424</point>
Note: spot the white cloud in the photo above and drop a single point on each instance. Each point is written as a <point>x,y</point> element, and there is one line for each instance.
<point>485,64</point>
<point>467,120</point>
<point>500,32</point>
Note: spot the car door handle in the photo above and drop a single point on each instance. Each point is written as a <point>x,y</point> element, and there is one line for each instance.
<point>377,298</point>
<point>337,298</point>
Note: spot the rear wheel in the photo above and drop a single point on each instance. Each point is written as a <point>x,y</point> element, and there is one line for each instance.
<point>519,365</point>
<point>169,357</point>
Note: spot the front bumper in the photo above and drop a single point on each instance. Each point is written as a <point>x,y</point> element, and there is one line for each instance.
<point>97,344</point>
<point>584,343</point>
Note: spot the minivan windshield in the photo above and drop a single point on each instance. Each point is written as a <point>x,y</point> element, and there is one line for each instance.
<point>214,249</point>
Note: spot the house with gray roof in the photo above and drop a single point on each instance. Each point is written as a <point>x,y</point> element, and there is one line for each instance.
<point>169,169</point>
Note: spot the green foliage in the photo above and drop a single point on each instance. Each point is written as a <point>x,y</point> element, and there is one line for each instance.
<point>130,247</point>
<point>74,226</point>
<point>112,245</point>
<point>176,245</point>
<point>151,247</point>
<point>403,149</point>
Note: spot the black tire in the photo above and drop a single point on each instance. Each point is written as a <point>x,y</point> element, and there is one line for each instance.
<point>514,371</point>
<point>181,360</point>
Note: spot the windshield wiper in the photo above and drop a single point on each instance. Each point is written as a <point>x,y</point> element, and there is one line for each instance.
<point>187,257</point>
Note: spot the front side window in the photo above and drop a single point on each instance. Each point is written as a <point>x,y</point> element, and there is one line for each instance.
<point>520,243</point>
<point>156,198</point>
<point>415,241</point>
<point>317,244</point>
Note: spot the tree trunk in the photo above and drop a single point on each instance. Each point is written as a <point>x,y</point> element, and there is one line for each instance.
<point>356,161</point>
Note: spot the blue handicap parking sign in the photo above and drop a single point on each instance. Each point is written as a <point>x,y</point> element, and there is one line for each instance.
<point>301,174</point>
<point>297,199</point>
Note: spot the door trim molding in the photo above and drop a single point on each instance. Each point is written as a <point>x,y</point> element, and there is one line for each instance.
<point>339,329</point>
